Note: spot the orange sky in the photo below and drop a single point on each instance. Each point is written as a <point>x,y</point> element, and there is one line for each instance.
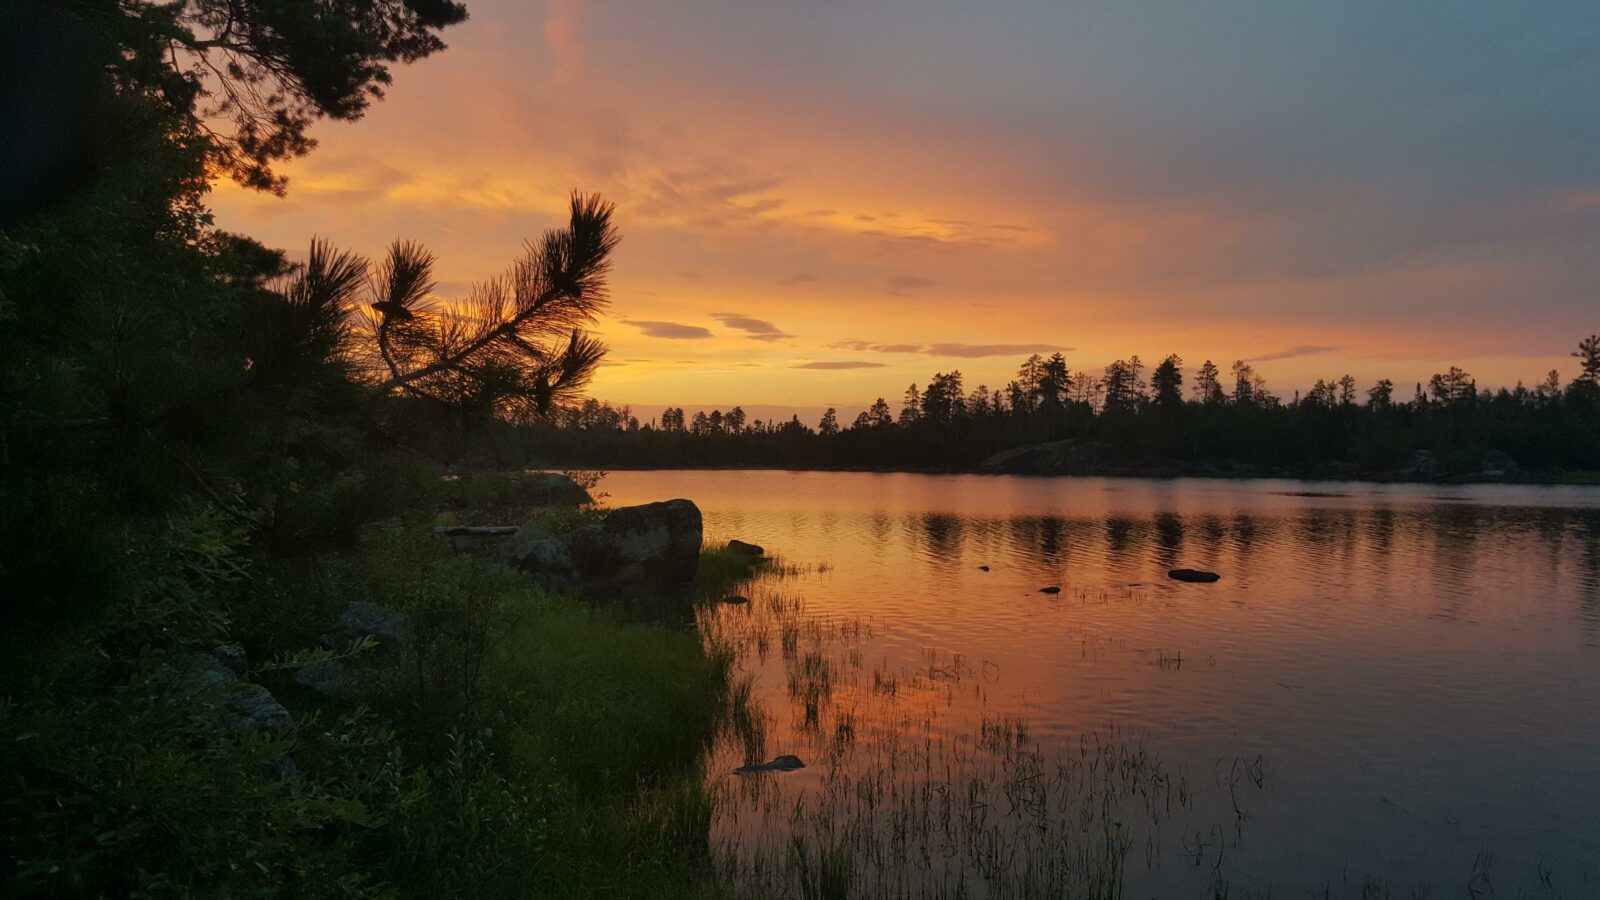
<point>819,209</point>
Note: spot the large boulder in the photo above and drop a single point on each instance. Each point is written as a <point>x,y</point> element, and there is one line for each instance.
<point>552,489</point>
<point>656,545</point>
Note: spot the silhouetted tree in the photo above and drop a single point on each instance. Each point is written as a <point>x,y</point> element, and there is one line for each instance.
<point>251,77</point>
<point>879,414</point>
<point>1347,390</point>
<point>1452,387</point>
<point>1381,395</point>
<point>911,406</point>
<point>1166,381</point>
<point>1208,383</point>
<point>830,422</point>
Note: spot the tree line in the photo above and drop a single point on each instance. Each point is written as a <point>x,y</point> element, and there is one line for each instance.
<point>1131,416</point>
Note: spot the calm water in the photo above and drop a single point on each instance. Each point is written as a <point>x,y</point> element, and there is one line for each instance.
<point>1394,681</point>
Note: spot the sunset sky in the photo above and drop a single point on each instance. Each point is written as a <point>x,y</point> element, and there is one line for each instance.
<point>823,202</point>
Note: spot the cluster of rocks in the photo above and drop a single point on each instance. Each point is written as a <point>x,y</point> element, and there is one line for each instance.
<point>654,545</point>
<point>247,706</point>
<point>348,679</point>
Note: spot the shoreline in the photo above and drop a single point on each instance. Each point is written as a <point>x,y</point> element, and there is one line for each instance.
<point>1163,473</point>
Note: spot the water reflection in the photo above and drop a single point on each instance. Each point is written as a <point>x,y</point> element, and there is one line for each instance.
<point>1418,666</point>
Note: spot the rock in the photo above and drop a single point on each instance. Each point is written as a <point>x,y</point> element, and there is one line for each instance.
<point>784,763</point>
<point>983,568</point>
<point>1069,457</point>
<point>361,619</point>
<point>743,549</point>
<point>1196,576</point>
<point>253,708</point>
<point>656,544</point>
<point>200,672</point>
<point>552,489</point>
<point>232,656</point>
<point>544,556</point>
<point>245,706</point>
<point>1052,589</point>
<point>331,679</point>
<point>736,600</point>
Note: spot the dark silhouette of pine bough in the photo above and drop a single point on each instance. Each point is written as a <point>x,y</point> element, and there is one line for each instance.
<point>515,347</point>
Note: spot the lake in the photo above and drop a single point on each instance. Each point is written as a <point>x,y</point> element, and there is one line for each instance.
<point>1392,689</point>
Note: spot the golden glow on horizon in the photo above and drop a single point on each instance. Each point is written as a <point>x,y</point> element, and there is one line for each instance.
<point>854,228</point>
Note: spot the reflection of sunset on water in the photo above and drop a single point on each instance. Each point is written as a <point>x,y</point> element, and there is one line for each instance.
<point>1383,649</point>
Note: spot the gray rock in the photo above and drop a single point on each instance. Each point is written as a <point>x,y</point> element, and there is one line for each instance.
<point>784,763</point>
<point>331,679</point>
<point>545,556</point>
<point>232,656</point>
<point>744,549</point>
<point>245,706</point>
<point>554,489</point>
<point>360,619</point>
<point>253,708</point>
<point>656,544</point>
<point>198,672</point>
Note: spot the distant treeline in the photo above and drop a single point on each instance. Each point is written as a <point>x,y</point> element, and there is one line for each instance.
<point>1127,419</point>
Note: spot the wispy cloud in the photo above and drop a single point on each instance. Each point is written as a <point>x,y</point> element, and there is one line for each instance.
<point>757,329</point>
<point>964,351</point>
<point>670,330</point>
<point>797,279</point>
<point>1292,352</point>
<point>905,284</point>
<point>840,364</point>
<point>562,38</point>
<point>975,351</point>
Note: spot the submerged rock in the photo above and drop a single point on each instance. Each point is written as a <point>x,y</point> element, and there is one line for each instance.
<point>744,549</point>
<point>1197,576</point>
<point>784,763</point>
<point>1052,589</point>
<point>983,568</point>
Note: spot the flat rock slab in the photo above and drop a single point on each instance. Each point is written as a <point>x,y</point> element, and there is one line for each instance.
<point>1195,576</point>
<point>784,763</point>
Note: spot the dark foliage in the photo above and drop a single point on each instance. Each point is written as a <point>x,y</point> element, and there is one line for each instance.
<point>1117,422</point>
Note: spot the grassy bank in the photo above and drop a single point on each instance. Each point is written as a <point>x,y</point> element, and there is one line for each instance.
<point>521,744</point>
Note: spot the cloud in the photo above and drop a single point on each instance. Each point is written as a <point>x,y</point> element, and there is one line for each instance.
<point>800,278</point>
<point>965,351</point>
<point>903,284</point>
<point>757,329</point>
<point>670,330</point>
<point>974,351</point>
<point>840,364</point>
<point>562,38</point>
<point>1292,352</point>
